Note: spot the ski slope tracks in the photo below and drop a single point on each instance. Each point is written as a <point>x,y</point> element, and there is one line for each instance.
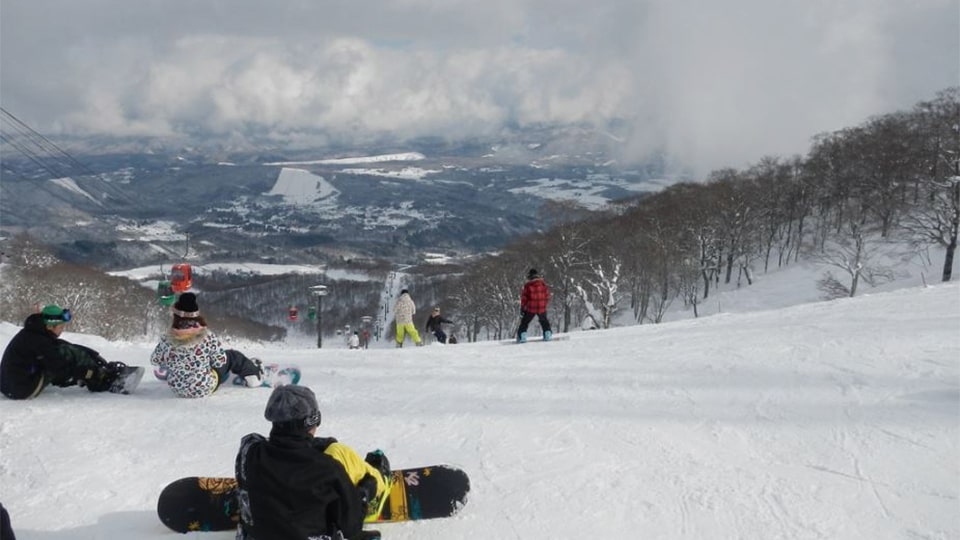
<point>825,420</point>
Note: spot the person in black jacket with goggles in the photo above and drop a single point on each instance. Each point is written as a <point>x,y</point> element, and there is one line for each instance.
<point>37,357</point>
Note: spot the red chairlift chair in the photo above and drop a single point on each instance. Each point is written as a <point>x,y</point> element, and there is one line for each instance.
<point>180,278</point>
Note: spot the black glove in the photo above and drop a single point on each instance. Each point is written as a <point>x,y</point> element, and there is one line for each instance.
<point>368,489</point>
<point>379,462</point>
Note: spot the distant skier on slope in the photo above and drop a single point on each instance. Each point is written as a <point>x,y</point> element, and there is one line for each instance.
<point>434,325</point>
<point>404,311</point>
<point>533,302</point>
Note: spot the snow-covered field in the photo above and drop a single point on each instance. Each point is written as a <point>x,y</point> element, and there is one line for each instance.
<point>829,420</point>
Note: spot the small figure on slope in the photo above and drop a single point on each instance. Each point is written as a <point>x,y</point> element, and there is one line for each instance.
<point>295,485</point>
<point>434,325</point>
<point>354,342</point>
<point>191,358</point>
<point>533,302</point>
<point>404,311</point>
<point>37,356</point>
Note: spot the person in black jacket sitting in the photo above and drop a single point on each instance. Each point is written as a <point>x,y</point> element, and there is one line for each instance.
<point>37,357</point>
<point>294,486</point>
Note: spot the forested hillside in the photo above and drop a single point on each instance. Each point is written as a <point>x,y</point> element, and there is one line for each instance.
<point>888,188</point>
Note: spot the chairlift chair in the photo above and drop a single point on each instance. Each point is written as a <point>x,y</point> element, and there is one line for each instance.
<point>181,279</point>
<point>165,295</point>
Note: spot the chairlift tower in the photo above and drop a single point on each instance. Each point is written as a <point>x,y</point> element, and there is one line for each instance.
<point>319,291</point>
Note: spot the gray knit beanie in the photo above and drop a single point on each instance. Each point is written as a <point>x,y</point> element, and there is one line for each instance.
<point>289,404</point>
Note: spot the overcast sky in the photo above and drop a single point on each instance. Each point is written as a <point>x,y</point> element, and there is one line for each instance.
<point>716,83</point>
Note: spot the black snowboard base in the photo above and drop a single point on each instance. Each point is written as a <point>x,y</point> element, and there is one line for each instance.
<point>210,503</point>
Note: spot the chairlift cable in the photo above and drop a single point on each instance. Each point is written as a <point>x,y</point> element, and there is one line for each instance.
<point>32,156</point>
<point>44,143</point>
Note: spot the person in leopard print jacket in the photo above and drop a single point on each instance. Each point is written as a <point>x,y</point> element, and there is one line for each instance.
<point>191,358</point>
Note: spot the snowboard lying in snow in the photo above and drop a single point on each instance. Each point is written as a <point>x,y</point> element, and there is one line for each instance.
<point>127,380</point>
<point>210,504</point>
<point>273,375</point>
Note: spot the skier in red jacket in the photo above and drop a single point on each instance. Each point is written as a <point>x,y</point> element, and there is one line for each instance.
<point>533,301</point>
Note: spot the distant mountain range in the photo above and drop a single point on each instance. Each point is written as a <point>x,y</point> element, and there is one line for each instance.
<point>148,202</point>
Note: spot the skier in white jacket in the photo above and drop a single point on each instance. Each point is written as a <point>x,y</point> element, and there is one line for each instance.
<point>404,312</point>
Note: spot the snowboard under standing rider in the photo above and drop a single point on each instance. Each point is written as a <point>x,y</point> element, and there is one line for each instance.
<point>533,303</point>
<point>296,485</point>
<point>37,357</point>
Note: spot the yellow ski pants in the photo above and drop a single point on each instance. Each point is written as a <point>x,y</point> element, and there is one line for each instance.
<point>403,329</point>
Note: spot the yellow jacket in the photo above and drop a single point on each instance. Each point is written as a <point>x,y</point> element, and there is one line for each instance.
<point>355,466</point>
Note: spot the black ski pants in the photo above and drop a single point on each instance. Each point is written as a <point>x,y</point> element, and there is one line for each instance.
<point>238,364</point>
<point>526,317</point>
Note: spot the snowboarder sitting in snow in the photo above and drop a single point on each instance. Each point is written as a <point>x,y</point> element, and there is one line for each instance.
<point>404,312</point>
<point>533,302</point>
<point>354,342</point>
<point>434,323</point>
<point>37,357</point>
<point>191,358</point>
<point>294,485</point>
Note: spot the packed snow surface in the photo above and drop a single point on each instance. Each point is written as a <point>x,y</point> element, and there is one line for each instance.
<point>828,420</point>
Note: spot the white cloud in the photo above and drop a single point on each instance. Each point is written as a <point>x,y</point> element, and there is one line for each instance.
<point>716,85</point>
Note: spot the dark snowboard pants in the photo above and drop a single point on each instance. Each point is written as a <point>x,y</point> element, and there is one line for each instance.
<point>527,316</point>
<point>238,364</point>
<point>6,530</point>
<point>83,365</point>
<point>440,335</point>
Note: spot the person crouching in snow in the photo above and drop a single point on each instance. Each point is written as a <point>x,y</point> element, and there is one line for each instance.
<point>354,342</point>
<point>191,358</point>
<point>295,485</point>
<point>435,325</point>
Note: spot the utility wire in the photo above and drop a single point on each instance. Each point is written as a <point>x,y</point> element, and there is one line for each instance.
<point>44,153</point>
<point>39,149</point>
<point>32,156</point>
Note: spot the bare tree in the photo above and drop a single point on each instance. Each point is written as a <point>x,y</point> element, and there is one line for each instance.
<point>938,221</point>
<point>600,283</point>
<point>854,251</point>
<point>567,253</point>
<point>935,216</point>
